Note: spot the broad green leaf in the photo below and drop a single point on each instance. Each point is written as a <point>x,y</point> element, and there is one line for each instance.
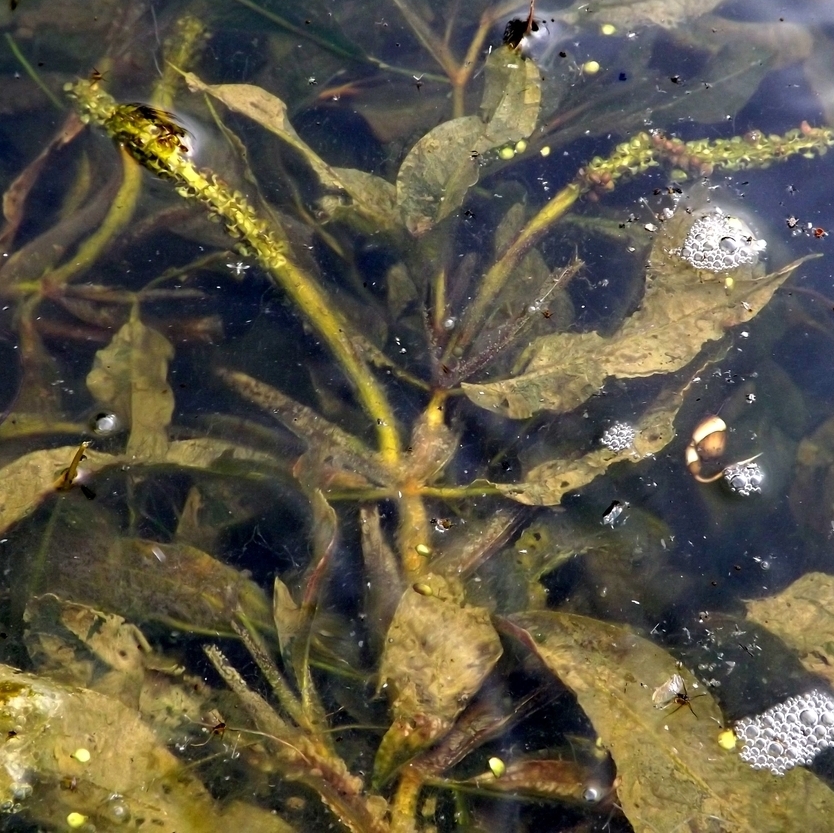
<point>77,645</point>
<point>130,376</point>
<point>546,484</point>
<point>682,310</point>
<point>802,616</point>
<point>672,773</point>
<point>439,170</point>
<point>128,772</point>
<point>437,654</point>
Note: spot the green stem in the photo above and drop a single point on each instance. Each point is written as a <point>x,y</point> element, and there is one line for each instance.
<point>156,144</point>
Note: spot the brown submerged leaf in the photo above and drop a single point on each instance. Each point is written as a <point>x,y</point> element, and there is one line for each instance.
<point>802,616</point>
<point>26,481</point>
<point>45,724</point>
<point>437,654</point>
<point>673,774</point>
<point>682,310</point>
<point>536,778</point>
<point>130,376</point>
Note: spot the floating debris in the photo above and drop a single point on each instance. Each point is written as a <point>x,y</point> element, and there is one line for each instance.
<point>618,437</point>
<point>719,242</point>
<point>613,513</point>
<point>790,734</point>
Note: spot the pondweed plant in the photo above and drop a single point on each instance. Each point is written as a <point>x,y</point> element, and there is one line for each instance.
<point>432,642</point>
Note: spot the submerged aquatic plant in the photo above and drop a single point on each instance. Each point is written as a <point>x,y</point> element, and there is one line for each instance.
<point>429,639</point>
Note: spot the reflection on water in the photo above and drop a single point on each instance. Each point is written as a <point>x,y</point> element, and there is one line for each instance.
<point>409,432</point>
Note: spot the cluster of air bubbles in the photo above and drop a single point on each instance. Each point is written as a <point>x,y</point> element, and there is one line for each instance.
<point>718,242</point>
<point>744,478</point>
<point>788,735</point>
<point>618,437</point>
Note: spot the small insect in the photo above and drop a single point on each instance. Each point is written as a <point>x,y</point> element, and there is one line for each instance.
<point>547,313</point>
<point>96,77</point>
<point>673,692</point>
<point>169,133</point>
<point>215,731</point>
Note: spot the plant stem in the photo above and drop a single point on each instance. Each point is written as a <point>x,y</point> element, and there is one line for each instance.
<point>156,144</point>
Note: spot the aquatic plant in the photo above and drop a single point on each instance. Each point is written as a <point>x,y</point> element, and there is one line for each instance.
<point>464,339</point>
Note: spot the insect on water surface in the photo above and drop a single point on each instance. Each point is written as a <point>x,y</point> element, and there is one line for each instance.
<point>673,692</point>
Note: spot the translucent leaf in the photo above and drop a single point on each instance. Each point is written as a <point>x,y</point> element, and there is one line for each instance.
<point>78,645</point>
<point>439,170</point>
<point>546,484</point>
<point>633,13</point>
<point>269,112</point>
<point>802,616</point>
<point>537,778</point>
<point>437,654</point>
<point>328,444</point>
<point>373,206</point>
<point>130,377</point>
<point>138,579</point>
<point>682,310</point>
<point>383,582</point>
<point>672,772</point>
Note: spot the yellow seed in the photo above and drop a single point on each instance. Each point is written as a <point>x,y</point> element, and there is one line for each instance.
<point>608,29</point>
<point>727,739</point>
<point>729,283</point>
<point>496,766</point>
<point>545,151</point>
<point>520,146</point>
<point>423,549</point>
<point>82,755</point>
<point>506,153</point>
<point>76,820</point>
<point>422,589</point>
<point>591,67</point>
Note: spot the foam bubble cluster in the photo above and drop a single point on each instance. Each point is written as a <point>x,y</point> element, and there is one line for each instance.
<point>618,437</point>
<point>788,735</point>
<point>744,478</point>
<point>719,242</point>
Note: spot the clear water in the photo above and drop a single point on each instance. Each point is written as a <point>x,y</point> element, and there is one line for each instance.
<point>178,547</point>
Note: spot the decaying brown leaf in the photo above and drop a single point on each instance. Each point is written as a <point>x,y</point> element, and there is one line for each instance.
<point>673,774</point>
<point>130,376</point>
<point>802,616</point>
<point>682,310</point>
<point>57,735</point>
<point>437,654</point>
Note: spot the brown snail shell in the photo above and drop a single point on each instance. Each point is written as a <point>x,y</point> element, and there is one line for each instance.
<point>709,439</point>
<point>712,445</point>
<point>706,428</point>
